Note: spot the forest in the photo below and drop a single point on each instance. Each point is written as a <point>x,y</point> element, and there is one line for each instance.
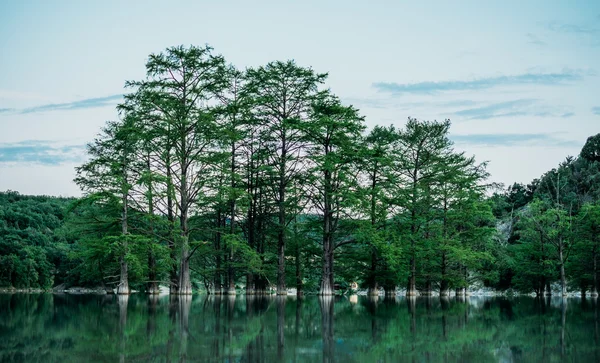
<point>226,181</point>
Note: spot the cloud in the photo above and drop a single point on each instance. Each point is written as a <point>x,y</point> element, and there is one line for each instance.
<point>520,107</point>
<point>513,140</point>
<point>76,105</point>
<point>478,84</point>
<point>596,110</point>
<point>572,29</point>
<point>389,103</point>
<point>533,39</point>
<point>40,152</point>
<point>589,34</point>
<point>502,109</point>
<point>458,103</point>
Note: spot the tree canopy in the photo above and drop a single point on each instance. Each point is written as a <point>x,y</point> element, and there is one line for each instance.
<point>263,179</point>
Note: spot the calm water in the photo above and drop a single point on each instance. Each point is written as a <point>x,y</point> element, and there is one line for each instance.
<point>68,328</point>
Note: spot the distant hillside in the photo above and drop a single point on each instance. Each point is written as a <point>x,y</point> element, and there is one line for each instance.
<point>33,249</point>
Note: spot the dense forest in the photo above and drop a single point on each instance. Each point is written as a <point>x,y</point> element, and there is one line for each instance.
<point>226,180</point>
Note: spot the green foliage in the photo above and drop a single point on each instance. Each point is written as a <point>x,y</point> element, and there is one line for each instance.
<point>33,244</point>
<point>591,149</point>
<point>261,177</point>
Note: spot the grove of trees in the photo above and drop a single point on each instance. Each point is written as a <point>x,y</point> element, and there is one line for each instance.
<point>219,178</point>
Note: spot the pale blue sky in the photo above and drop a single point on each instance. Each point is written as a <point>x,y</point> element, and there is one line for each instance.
<point>518,79</point>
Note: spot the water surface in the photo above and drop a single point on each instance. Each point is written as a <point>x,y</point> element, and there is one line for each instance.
<point>84,328</point>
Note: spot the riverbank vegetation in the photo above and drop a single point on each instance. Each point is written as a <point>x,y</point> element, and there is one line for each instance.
<point>218,178</point>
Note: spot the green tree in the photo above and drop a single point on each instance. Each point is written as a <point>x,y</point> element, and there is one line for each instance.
<point>378,194</point>
<point>180,82</point>
<point>282,94</point>
<point>331,134</point>
<point>419,151</point>
<point>584,268</point>
<point>110,174</point>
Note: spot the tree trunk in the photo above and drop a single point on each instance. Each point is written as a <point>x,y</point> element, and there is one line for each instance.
<point>548,289</point>
<point>185,284</point>
<point>428,291</point>
<point>389,291</point>
<point>152,285</point>
<point>218,284</point>
<point>231,275</point>
<point>327,284</point>
<point>250,284</point>
<point>123,288</point>
<point>444,282</point>
<point>595,273</point>
<point>373,285</point>
<point>230,270</point>
<point>563,279</point>
<point>299,287</point>
<point>411,290</point>
<point>173,277</point>
<point>281,288</point>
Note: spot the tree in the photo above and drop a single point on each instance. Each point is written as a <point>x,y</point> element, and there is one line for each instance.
<point>282,93</point>
<point>591,149</point>
<point>584,267</point>
<point>553,225</point>
<point>377,190</point>
<point>419,151</point>
<point>180,83</point>
<point>331,134</point>
<point>110,174</point>
<point>459,189</point>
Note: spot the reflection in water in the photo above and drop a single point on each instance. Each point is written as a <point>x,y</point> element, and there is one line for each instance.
<point>184,304</point>
<point>326,305</point>
<point>122,301</point>
<point>280,300</point>
<point>140,328</point>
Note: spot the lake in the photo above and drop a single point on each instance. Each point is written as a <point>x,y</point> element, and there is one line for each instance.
<point>139,328</point>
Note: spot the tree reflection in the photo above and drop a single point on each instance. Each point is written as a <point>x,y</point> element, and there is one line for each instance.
<point>326,304</point>
<point>184,304</point>
<point>122,301</point>
<point>45,328</point>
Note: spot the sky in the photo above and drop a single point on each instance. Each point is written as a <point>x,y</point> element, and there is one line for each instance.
<point>518,79</point>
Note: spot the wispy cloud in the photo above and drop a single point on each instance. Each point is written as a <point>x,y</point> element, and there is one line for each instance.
<point>533,39</point>
<point>596,110</point>
<point>40,152</point>
<point>520,107</point>
<point>588,33</point>
<point>75,105</point>
<point>502,109</point>
<point>573,28</point>
<point>540,139</point>
<point>391,103</point>
<point>551,79</point>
